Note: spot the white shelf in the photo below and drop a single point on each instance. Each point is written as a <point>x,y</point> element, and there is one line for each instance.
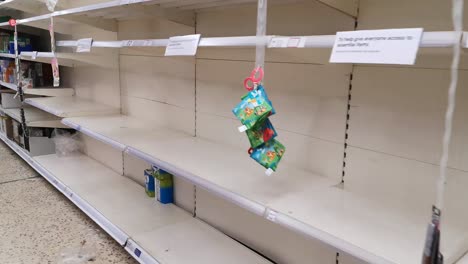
<point>71,106</point>
<point>55,92</point>
<point>7,55</point>
<point>46,57</point>
<point>351,222</point>
<point>22,4</point>
<point>11,86</point>
<point>67,59</point>
<point>152,226</point>
<point>35,117</point>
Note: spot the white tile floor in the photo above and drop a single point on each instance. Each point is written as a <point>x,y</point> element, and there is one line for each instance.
<point>38,224</point>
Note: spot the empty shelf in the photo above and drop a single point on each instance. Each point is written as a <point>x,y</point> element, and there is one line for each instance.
<point>41,91</point>
<point>351,222</point>
<point>50,91</point>
<point>71,106</point>
<point>11,86</point>
<point>166,232</point>
<point>35,117</point>
<point>64,59</point>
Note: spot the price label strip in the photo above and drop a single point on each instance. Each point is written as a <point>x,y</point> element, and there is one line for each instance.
<point>287,42</point>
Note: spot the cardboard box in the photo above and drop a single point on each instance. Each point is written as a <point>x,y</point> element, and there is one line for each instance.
<point>41,146</point>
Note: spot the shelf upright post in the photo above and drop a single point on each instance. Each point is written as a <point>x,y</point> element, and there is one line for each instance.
<point>20,90</point>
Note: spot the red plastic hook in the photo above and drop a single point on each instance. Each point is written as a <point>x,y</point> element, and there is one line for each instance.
<point>253,79</point>
<point>12,22</point>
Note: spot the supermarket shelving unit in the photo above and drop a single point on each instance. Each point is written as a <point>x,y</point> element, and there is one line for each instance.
<point>372,206</point>
<point>34,117</point>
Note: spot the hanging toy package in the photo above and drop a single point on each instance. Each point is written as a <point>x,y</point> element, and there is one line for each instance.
<point>268,155</point>
<point>261,133</point>
<point>254,107</point>
<point>254,111</point>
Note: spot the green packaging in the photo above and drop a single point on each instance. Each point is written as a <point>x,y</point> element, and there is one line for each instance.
<point>269,154</point>
<point>254,107</point>
<point>261,133</point>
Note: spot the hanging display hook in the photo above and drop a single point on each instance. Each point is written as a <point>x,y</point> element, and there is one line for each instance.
<point>255,78</point>
<point>12,22</point>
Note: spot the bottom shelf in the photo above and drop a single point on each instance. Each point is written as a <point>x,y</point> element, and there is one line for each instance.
<point>150,231</point>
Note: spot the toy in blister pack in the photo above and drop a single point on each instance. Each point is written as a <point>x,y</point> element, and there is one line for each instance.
<point>254,107</point>
<point>268,155</point>
<point>262,132</point>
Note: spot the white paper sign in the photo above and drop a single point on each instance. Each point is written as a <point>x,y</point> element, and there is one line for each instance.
<point>387,46</point>
<point>287,42</point>
<point>183,45</point>
<point>84,45</point>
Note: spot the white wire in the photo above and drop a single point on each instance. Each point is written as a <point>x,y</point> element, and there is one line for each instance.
<point>457,16</point>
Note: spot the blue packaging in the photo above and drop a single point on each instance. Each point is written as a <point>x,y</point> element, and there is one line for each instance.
<point>24,44</point>
<point>164,186</point>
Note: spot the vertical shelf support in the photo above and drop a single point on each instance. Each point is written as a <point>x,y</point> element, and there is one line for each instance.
<point>20,90</point>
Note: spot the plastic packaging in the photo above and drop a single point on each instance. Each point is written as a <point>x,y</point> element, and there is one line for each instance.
<point>66,143</point>
<point>261,133</point>
<point>254,107</point>
<point>85,252</point>
<point>51,5</point>
<point>269,154</point>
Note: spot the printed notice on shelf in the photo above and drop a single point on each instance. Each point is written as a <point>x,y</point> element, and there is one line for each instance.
<point>183,45</point>
<point>84,45</point>
<point>287,42</point>
<point>387,46</point>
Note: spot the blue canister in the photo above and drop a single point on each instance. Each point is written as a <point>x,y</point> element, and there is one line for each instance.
<point>164,186</point>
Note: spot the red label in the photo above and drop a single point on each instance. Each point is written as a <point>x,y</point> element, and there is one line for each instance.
<point>12,22</point>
